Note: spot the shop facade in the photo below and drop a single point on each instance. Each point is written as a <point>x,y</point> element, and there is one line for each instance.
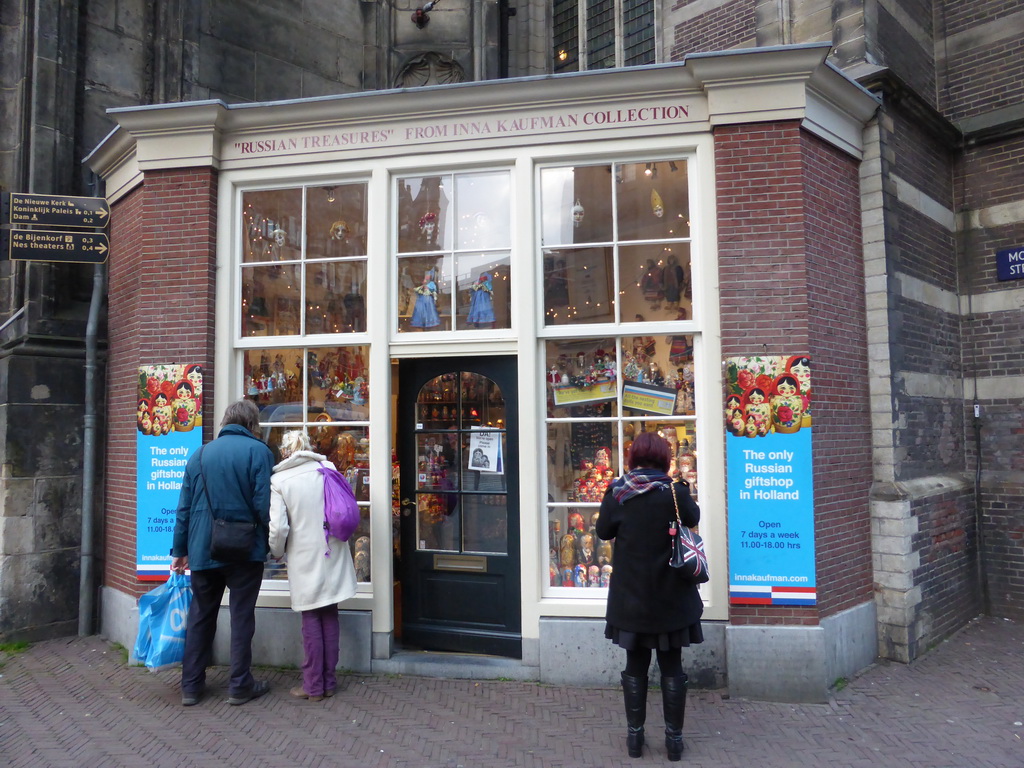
<point>472,297</point>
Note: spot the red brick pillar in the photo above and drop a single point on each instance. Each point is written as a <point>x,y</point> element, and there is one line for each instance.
<point>792,281</point>
<point>161,309</point>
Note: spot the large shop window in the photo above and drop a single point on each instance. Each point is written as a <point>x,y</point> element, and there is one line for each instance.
<point>303,275</point>
<point>616,251</point>
<point>454,247</point>
<point>614,33</point>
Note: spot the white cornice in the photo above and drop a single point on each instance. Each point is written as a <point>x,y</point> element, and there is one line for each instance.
<point>741,86</point>
<point>785,83</point>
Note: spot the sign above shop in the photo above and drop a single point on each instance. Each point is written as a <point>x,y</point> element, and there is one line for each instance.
<point>1010,264</point>
<point>49,245</point>
<point>55,210</point>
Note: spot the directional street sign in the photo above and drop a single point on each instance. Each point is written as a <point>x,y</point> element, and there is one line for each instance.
<point>55,210</point>
<point>47,245</point>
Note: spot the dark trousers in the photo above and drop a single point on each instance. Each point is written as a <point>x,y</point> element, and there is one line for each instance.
<point>243,580</point>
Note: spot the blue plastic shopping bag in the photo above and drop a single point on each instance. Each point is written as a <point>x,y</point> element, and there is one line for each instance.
<point>163,614</point>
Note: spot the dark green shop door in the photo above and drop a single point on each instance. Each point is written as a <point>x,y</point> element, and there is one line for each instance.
<point>458,443</point>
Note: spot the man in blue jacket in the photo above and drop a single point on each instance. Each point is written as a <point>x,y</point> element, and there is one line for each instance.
<point>238,466</point>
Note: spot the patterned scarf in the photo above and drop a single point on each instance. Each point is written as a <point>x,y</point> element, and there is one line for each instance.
<point>638,481</point>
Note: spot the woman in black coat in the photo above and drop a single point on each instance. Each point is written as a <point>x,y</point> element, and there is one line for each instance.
<point>650,606</point>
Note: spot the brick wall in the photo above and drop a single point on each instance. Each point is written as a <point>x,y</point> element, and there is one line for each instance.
<point>161,290</point>
<point>790,253</point>
<point>838,347</point>
<point>728,25</point>
<point>947,577</point>
<point>984,56</point>
<point>992,188</point>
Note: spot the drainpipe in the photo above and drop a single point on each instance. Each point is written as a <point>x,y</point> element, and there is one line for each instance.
<point>86,589</point>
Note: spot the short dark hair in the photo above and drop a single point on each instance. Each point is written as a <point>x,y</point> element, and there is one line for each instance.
<point>244,413</point>
<point>650,449</point>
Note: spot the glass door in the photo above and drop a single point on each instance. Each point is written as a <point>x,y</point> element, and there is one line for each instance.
<point>459,553</point>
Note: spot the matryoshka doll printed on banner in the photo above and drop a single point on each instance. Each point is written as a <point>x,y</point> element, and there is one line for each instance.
<point>800,367</point>
<point>786,404</point>
<point>185,409</point>
<point>193,374</point>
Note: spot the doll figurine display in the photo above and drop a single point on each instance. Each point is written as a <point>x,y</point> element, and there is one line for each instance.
<point>424,314</point>
<point>481,306</point>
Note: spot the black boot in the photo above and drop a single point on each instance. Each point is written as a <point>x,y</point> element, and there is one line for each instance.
<point>673,699</point>
<point>634,693</point>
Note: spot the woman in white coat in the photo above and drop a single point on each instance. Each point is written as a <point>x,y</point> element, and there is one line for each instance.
<point>318,582</point>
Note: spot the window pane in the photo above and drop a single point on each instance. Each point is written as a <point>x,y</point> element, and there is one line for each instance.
<point>485,522</point>
<point>578,286</point>
<point>483,291</point>
<point>425,295</point>
<point>271,222</point>
<point>581,378</point>
<point>338,381</point>
<point>655,282</point>
<point>273,380</point>
<point>482,210</point>
<point>600,34</point>
<point>566,35</point>
<point>423,214</point>
<point>576,205</point>
<point>336,221</point>
<point>638,32</point>
<point>270,300</point>
<point>652,201</point>
<point>336,297</point>
<point>582,460</point>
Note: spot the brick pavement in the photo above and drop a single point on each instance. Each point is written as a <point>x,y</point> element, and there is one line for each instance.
<point>75,702</point>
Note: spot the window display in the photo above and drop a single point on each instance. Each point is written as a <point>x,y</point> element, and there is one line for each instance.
<point>600,393</point>
<point>615,243</point>
<point>320,234</point>
<point>326,391</point>
<point>453,252</point>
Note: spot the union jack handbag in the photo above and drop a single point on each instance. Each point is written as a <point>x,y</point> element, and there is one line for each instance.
<point>687,548</point>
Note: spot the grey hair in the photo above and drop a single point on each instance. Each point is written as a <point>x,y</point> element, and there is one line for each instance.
<point>244,413</point>
<point>292,441</point>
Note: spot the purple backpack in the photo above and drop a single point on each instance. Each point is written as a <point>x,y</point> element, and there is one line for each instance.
<point>341,512</point>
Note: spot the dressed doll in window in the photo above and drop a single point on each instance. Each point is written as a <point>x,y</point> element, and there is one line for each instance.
<point>481,307</point>
<point>424,314</point>
<point>428,229</point>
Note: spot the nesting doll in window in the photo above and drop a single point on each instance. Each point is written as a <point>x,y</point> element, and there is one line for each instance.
<point>567,551</point>
<point>604,554</point>
<point>594,576</point>
<point>585,549</point>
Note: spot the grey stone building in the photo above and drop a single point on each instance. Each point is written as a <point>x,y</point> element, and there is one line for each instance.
<point>941,197</point>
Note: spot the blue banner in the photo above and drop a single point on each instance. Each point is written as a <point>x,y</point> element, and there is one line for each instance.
<point>770,486</point>
<point>169,421</point>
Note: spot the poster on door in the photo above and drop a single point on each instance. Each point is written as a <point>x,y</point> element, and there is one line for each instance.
<point>485,450</point>
<point>169,429</point>
<point>770,486</point>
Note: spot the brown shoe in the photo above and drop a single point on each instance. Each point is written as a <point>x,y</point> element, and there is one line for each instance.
<point>330,692</point>
<point>299,693</point>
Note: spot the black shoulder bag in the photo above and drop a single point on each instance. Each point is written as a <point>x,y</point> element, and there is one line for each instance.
<point>231,541</point>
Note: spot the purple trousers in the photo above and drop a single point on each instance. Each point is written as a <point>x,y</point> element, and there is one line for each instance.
<point>320,638</point>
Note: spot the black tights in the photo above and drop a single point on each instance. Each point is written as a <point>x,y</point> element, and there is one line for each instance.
<point>670,662</point>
